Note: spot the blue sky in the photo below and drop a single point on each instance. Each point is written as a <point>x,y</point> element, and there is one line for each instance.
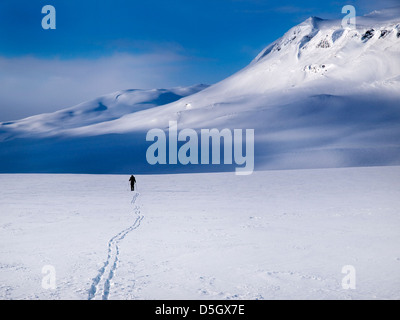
<point>102,46</point>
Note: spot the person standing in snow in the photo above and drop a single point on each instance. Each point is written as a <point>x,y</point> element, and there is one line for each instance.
<point>133,181</point>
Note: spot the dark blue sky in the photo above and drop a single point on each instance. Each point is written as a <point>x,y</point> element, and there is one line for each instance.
<point>229,32</point>
<point>164,43</point>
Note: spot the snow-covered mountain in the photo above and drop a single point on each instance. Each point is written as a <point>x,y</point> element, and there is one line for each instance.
<point>320,96</point>
<point>103,109</point>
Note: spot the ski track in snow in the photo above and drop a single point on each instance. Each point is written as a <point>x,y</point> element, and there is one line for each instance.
<point>100,288</point>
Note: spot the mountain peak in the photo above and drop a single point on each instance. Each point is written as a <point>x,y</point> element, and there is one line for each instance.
<point>295,41</point>
<point>295,37</point>
<point>313,21</point>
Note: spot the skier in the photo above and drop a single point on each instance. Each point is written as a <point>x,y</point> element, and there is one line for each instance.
<point>133,181</point>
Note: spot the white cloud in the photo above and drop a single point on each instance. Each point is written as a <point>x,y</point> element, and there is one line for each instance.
<point>30,85</point>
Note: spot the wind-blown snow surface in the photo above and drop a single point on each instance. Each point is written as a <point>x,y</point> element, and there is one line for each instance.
<point>320,96</point>
<point>270,235</point>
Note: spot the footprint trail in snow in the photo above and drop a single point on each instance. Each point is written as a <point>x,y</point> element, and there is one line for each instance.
<point>101,285</point>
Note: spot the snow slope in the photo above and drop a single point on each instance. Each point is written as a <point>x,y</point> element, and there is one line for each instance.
<point>271,235</point>
<point>320,96</point>
<point>107,108</point>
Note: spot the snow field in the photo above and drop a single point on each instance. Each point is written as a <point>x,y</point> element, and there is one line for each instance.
<point>271,235</point>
